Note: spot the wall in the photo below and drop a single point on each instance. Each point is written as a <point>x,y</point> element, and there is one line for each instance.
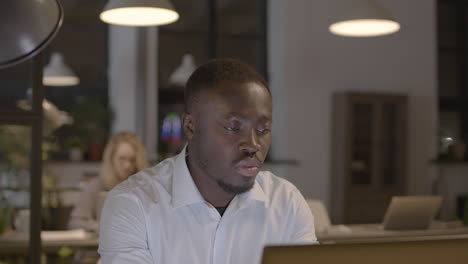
<point>132,83</point>
<point>307,64</point>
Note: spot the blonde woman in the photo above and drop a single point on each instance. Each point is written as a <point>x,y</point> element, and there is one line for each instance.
<point>124,155</point>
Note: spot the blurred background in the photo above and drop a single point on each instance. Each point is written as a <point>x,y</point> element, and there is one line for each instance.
<point>357,120</point>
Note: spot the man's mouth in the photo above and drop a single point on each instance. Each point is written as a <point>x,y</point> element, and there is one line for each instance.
<point>248,168</point>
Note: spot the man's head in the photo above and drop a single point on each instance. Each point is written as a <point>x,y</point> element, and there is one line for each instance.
<point>227,124</point>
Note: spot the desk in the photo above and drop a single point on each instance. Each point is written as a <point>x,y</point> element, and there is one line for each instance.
<point>374,233</point>
<point>16,243</point>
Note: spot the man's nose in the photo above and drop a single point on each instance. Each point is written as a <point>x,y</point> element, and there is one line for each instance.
<point>250,143</point>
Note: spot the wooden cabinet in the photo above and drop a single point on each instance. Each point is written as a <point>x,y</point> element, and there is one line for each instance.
<point>368,155</point>
<point>452,60</point>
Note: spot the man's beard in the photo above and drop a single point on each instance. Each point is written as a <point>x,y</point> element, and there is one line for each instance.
<point>229,188</point>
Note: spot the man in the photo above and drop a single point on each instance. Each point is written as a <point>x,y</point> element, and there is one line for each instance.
<point>209,204</point>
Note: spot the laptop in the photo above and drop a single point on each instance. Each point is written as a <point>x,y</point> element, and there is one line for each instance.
<point>411,212</point>
<point>453,251</point>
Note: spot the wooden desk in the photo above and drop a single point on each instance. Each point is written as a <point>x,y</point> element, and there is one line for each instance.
<point>451,251</point>
<point>374,233</point>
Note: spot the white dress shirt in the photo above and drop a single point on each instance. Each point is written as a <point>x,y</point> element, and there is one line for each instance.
<point>159,216</point>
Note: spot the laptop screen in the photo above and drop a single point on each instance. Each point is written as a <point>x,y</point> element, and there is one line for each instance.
<point>411,212</point>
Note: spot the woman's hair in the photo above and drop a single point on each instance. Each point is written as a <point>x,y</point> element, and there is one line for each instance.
<point>108,176</point>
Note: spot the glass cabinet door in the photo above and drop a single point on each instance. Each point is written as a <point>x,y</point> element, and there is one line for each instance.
<point>369,153</point>
<point>362,131</point>
<point>20,162</point>
<point>15,152</point>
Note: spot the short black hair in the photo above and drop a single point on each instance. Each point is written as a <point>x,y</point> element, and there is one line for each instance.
<point>215,71</point>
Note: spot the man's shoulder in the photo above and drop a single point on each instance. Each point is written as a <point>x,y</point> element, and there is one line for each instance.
<point>148,181</point>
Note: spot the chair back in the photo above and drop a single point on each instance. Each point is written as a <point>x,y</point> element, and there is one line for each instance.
<point>320,212</point>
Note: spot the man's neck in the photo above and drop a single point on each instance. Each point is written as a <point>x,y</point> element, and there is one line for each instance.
<point>209,188</point>
<point>221,199</point>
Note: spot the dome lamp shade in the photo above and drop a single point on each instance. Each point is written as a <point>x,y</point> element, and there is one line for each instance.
<point>57,73</point>
<point>27,28</point>
<point>366,18</point>
<point>139,12</point>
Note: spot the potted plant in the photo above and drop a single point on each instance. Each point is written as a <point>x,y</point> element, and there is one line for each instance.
<point>6,214</point>
<point>91,124</point>
<point>75,146</point>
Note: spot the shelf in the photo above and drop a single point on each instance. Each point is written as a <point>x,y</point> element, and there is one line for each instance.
<point>449,162</point>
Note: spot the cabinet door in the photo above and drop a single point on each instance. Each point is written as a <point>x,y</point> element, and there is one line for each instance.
<point>373,150</point>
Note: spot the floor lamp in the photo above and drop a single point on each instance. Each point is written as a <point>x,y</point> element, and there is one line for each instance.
<point>28,26</point>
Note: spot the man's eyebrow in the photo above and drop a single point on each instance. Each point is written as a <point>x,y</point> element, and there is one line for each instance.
<point>233,115</point>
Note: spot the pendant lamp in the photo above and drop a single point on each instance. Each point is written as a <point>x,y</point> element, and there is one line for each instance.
<point>139,12</point>
<point>57,73</point>
<point>27,28</point>
<point>366,18</point>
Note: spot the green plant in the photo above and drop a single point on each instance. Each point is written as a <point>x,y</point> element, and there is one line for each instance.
<point>6,214</point>
<point>15,144</point>
<point>92,120</point>
<point>75,142</point>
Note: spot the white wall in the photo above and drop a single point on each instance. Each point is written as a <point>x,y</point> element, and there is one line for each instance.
<point>307,64</point>
<point>123,75</point>
<point>133,83</point>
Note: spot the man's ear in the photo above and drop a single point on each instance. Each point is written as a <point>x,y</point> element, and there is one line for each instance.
<point>188,125</point>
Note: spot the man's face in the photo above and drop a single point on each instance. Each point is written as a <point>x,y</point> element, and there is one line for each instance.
<point>231,134</point>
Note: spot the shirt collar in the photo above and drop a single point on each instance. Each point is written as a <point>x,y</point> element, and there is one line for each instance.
<point>254,194</point>
<point>185,192</point>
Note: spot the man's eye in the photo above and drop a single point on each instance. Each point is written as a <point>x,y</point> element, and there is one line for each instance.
<point>231,128</point>
<point>263,130</point>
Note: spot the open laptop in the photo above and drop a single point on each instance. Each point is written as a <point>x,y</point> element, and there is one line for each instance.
<point>411,212</point>
<point>453,251</point>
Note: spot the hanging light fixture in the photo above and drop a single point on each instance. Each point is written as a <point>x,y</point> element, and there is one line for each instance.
<point>27,28</point>
<point>139,12</point>
<point>366,18</point>
<point>57,73</point>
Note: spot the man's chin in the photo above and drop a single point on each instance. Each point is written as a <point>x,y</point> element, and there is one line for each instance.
<point>237,189</point>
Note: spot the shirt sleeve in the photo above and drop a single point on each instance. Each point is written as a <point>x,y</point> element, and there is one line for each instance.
<point>303,224</point>
<point>122,235</point>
